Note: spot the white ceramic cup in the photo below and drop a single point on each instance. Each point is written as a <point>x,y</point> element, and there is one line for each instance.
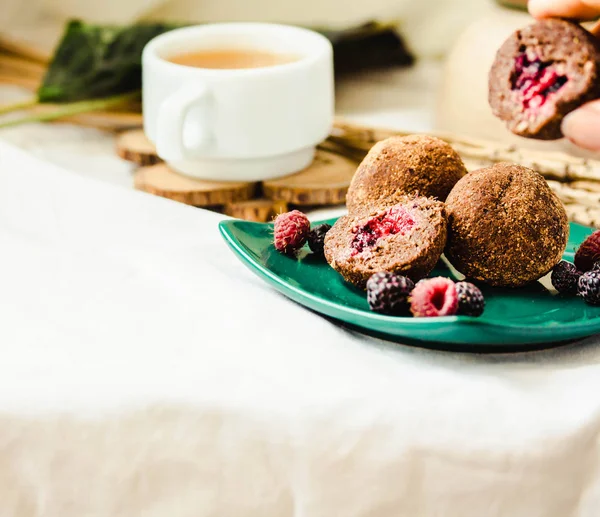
<point>238,124</point>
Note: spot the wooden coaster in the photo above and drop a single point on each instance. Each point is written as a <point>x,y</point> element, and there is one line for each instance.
<point>162,181</point>
<point>258,210</point>
<point>325,182</point>
<point>135,147</point>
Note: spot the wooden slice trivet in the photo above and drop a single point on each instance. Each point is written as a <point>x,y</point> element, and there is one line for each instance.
<point>135,147</point>
<point>325,182</point>
<point>160,180</point>
<point>258,210</point>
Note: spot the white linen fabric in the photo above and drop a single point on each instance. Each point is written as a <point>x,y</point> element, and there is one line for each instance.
<point>146,372</point>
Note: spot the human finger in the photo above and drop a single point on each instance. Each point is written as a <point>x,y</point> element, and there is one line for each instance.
<point>582,126</point>
<point>571,9</point>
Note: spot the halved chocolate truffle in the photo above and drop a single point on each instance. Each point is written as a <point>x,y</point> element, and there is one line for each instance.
<point>407,238</point>
<point>541,73</point>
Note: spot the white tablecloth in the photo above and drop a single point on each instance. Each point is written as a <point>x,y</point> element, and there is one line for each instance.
<point>145,372</point>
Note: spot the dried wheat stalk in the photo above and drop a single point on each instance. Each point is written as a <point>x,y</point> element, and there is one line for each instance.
<point>24,50</point>
<point>583,215</point>
<point>590,186</point>
<point>22,66</point>
<point>557,165</point>
<point>19,80</point>
<point>570,195</point>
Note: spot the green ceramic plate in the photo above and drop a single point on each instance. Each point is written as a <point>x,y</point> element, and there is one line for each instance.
<point>514,319</point>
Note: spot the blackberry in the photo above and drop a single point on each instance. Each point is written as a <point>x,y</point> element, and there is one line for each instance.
<point>589,287</point>
<point>565,277</point>
<point>470,299</point>
<point>388,293</point>
<point>316,238</point>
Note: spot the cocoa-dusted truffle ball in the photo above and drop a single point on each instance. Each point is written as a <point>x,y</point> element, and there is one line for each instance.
<point>541,73</point>
<point>398,166</point>
<point>407,238</point>
<point>506,227</point>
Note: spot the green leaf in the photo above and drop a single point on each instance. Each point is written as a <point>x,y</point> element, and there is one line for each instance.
<point>95,61</point>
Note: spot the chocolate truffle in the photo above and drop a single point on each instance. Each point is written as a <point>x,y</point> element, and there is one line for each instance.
<point>407,238</point>
<point>506,227</point>
<point>399,166</point>
<point>541,73</point>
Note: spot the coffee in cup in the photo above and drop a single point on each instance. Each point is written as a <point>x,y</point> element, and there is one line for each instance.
<point>231,58</point>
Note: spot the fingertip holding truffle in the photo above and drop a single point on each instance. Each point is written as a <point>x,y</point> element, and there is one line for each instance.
<point>542,73</point>
<point>582,126</point>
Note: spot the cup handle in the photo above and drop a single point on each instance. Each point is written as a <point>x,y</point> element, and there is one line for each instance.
<point>171,119</point>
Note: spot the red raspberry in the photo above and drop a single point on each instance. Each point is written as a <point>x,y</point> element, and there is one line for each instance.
<point>588,253</point>
<point>434,297</point>
<point>291,231</point>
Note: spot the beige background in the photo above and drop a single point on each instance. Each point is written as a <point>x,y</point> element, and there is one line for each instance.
<point>430,25</point>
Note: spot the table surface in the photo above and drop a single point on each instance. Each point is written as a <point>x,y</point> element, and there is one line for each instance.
<point>145,371</point>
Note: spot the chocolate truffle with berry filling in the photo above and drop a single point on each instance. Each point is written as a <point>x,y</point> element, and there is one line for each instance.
<point>399,166</point>
<point>406,239</point>
<point>506,227</point>
<point>541,73</point>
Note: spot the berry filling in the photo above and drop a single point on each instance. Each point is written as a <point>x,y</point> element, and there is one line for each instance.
<point>393,221</point>
<point>535,81</point>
